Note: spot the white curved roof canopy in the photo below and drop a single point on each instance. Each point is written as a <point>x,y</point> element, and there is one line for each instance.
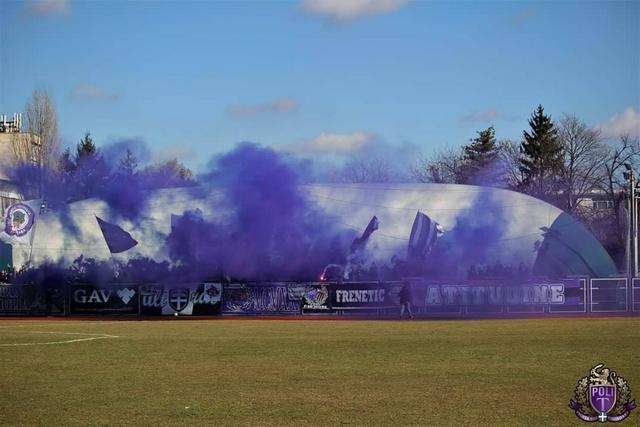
<point>482,225</point>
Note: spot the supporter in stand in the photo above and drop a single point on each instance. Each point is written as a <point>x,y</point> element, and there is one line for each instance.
<point>7,275</point>
<point>405,301</point>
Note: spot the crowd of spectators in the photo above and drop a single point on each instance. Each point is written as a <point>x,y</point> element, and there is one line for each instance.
<point>8,274</point>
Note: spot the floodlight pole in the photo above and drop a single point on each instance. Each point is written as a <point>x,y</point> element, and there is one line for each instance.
<point>634,235</point>
<point>633,222</point>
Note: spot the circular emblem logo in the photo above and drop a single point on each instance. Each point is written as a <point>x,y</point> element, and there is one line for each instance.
<point>19,220</point>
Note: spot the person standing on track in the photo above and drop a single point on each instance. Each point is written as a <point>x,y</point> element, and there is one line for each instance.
<point>405,300</point>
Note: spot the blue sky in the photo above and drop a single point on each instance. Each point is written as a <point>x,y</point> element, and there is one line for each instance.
<point>319,77</point>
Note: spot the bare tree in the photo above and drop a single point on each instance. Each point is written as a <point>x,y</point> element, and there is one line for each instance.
<point>39,145</point>
<point>366,169</point>
<point>443,167</point>
<point>510,155</point>
<point>626,151</point>
<point>611,228</point>
<point>584,158</point>
<point>170,173</point>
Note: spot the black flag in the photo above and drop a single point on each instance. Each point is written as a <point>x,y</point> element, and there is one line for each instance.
<point>117,239</point>
<point>360,242</point>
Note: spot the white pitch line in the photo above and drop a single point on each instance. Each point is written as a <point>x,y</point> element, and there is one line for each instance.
<point>93,338</point>
<point>7,325</point>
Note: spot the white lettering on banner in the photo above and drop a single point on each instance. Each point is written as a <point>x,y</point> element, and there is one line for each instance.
<point>154,297</point>
<point>360,295</point>
<point>9,291</point>
<point>465,294</point>
<point>540,293</point>
<point>96,296</point>
<point>159,297</point>
<point>495,295</point>
<point>512,297</point>
<point>433,296</point>
<point>478,294</point>
<point>556,294</point>
<point>450,294</point>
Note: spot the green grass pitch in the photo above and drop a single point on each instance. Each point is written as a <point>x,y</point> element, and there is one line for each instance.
<point>310,372</point>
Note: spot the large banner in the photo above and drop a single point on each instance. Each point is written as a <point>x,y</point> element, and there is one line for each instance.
<point>436,294</point>
<point>31,300</point>
<point>21,299</point>
<point>269,298</point>
<point>190,299</point>
<point>497,297</point>
<point>346,296</point>
<point>108,299</point>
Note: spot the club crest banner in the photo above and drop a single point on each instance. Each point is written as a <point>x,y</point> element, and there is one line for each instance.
<point>18,229</point>
<point>19,221</point>
<point>190,299</point>
<point>316,298</point>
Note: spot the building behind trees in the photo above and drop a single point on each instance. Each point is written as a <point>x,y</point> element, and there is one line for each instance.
<point>12,136</point>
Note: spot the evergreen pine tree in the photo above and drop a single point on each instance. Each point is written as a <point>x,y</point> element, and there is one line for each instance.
<point>66,163</point>
<point>85,147</point>
<point>480,157</point>
<point>91,170</point>
<point>128,164</point>
<point>542,156</point>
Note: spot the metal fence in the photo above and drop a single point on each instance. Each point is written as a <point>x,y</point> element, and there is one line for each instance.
<point>635,295</point>
<point>428,298</point>
<point>609,295</point>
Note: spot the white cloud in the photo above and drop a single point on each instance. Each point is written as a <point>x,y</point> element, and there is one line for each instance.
<point>335,143</point>
<point>625,123</point>
<point>523,16</point>
<point>48,7</point>
<point>485,116</point>
<point>174,151</point>
<point>279,105</point>
<point>90,91</point>
<point>350,10</point>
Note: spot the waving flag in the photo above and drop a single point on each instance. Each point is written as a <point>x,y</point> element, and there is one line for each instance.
<point>117,239</point>
<point>424,234</point>
<point>19,222</point>
<point>360,242</point>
